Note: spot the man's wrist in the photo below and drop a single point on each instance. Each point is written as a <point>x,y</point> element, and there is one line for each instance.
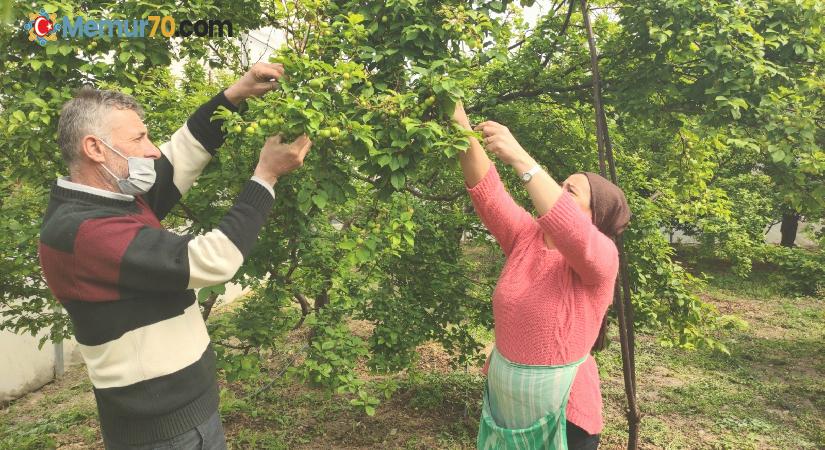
<point>231,93</point>
<point>268,177</point>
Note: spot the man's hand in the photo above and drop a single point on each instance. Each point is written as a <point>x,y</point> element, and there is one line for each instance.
<point>260,79</point>
<point>499,140</point>
<point>279,159</point>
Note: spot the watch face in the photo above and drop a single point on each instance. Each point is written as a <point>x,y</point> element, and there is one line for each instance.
<point>526,176</point>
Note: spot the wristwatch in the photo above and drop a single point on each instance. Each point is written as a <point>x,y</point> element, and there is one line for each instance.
<point>527,176</point>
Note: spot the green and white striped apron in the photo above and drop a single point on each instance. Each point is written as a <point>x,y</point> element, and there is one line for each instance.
<point>524,405</point>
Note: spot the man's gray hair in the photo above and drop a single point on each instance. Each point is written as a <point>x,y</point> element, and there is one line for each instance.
<point>86,113</point>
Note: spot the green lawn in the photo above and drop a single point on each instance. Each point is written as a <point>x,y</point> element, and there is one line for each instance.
<point>769,393</point>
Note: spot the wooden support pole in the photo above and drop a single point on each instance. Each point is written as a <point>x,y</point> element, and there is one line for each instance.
<point>621,297</point>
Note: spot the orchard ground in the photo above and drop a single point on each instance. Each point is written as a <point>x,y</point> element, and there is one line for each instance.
<point>769,393</point>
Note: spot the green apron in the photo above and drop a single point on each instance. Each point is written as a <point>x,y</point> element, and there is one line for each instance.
<point>524,406</point>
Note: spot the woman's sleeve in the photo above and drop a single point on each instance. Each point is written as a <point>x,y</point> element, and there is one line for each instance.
<point>502,216</point>
<point>591,254</point>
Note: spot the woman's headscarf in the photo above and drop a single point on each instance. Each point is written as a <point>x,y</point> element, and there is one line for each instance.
<point>610,215</point>
<point>608,204</point>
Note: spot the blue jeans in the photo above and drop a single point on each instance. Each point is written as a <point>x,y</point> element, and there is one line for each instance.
<point>206,436</point>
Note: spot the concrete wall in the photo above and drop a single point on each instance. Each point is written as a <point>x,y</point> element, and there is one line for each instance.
<point>773,236</point>
<point>25,368</point>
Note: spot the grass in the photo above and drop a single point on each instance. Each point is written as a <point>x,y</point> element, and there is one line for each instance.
<point>769,393</point>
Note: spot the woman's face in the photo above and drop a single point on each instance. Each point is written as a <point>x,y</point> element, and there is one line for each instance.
<point>579,188</point>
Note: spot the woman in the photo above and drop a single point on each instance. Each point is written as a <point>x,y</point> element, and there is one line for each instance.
<point>550,299</point>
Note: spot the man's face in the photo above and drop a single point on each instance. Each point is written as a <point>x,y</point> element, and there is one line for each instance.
<point>130,137</point>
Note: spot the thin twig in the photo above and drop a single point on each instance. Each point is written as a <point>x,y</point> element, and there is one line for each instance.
<point>288,365</point>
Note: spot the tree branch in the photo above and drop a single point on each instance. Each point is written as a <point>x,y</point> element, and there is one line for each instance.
<point>208,304</point>
<point>563,30</point>
<point>190,214</point>
<point>301,300</point>
<point>533,93</point>
<point>440,198</point>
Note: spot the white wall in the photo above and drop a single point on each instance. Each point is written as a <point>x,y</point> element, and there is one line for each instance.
<point>773,236</point>
<point>25,368</point>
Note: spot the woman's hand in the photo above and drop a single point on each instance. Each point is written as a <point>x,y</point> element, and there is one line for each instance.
<point>499,140</point>
<point>460,116</point>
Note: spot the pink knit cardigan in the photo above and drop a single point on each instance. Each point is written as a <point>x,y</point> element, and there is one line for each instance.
<point>548,304</point>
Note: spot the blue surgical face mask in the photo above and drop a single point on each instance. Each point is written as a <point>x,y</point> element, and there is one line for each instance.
<point>141,174</point>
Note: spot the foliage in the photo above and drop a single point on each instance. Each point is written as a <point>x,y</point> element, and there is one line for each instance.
<point>712,108</point>
<point>803,269</point>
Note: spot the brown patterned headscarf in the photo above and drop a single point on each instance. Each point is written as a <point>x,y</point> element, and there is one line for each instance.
<point>611,213</point>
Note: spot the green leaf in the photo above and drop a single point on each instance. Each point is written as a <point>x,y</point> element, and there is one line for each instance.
<point>778,155</point>
<point>363,254</point>
<point>398,180</point>
<point>739,102</point>
<point>320,199</point>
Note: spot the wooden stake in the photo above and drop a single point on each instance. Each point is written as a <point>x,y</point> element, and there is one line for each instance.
<point>621,297</point>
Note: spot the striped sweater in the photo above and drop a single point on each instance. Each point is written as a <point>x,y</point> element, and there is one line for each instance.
<point>127,284</point>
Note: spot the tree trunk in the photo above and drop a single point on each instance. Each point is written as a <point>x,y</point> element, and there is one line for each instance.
<point>789,227</point>
<point>208,304</point>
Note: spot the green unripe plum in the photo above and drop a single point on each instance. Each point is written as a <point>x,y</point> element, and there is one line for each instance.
<point>237,129</point>
<point>250,130</point>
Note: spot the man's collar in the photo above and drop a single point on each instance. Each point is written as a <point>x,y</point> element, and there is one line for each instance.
<point>64,182</point>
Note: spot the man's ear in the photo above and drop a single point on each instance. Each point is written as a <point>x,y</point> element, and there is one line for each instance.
<point>92,148</point>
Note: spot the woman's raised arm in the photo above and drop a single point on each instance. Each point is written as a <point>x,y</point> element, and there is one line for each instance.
<point>502,216</point>
<point>474,162</point>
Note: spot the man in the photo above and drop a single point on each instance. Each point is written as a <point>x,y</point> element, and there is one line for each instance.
<point>126,282</point>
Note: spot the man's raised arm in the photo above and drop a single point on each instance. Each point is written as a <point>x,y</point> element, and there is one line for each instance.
<point>192,146</point>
